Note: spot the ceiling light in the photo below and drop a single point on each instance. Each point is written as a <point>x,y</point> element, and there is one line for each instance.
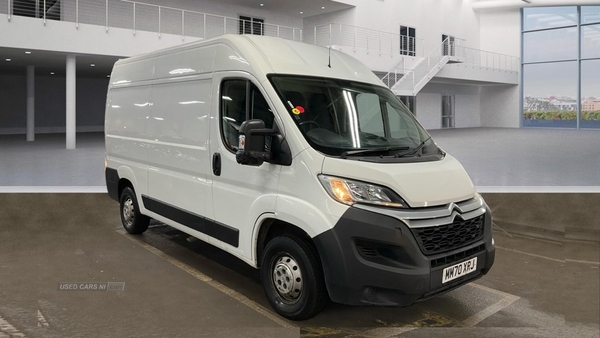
<point>323,7</point>
<point>92,65</point>
<point>51,73</point>
<point>261,5</point>
<point>301,12</point>
<point>8,60</point>
<point>27,52</point>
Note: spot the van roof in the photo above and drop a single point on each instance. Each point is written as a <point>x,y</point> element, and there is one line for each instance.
<point>270,55</point>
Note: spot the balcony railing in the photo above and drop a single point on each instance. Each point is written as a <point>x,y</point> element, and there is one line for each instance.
<point>486,59</point>
<point>352,39</point>
<point>138,16</point>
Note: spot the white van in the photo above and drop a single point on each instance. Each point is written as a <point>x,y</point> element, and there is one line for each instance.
<point>299,161</point>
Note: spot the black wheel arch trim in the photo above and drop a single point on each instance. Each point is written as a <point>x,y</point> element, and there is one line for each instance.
<point>112,183</point>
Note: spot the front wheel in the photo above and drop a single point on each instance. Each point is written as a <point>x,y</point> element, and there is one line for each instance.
<point>292,278</point>
<point>133,221</point>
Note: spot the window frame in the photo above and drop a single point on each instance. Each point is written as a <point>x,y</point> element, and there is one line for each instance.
<point>252,21</point>
<point>248,89</point>
<point>408,47</point>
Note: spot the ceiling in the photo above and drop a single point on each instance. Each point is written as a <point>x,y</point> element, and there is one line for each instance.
<point>47,62</point>
<point>293,7</point>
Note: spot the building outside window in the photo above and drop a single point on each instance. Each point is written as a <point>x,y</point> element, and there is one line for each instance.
<point>561,67</point>
<point>407,40</point>
<point>249,25</point>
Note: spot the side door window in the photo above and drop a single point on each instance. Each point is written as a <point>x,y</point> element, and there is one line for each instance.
<point>241,100</point>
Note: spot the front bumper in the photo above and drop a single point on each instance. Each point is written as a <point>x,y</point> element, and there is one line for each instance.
<point>374,259</point>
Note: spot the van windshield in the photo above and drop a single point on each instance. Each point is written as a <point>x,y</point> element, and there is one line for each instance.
<point>353,119</point>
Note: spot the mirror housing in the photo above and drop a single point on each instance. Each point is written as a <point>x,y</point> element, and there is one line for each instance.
<point>251,147</point>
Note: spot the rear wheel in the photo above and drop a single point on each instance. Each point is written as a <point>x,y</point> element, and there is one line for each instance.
<point>133,221</point>
<point>292,278</point>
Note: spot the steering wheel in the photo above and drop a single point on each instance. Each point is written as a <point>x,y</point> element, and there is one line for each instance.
<point>309,122</point>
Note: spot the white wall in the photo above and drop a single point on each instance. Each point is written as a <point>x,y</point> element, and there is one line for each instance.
<point>92,38</point>
<point>29,33</point>
<point>467,105</point>
<point>500,106</point>
<point>501,31</point>
<point>50,107</point>
<point>431,18</point>
<point>429,110</point>
<point>271,16</point>
<point>345,16</point>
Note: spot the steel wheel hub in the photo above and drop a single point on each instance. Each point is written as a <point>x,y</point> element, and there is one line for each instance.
<point>128,211</point>
<point>287,278</point>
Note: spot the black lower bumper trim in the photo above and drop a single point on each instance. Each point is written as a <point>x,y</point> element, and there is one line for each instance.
<point>371,258</point>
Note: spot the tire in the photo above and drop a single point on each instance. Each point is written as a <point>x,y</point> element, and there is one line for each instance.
<point>133,221</point>
<point>288,259</point>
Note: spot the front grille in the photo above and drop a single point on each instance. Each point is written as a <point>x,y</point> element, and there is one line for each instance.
<point>441,238</point>
<point>459,256</point>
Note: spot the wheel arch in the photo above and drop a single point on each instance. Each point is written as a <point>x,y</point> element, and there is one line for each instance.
<point>271,227</point>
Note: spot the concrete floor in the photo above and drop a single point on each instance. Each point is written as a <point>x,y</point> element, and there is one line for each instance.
<point>495,158</point>
<point>46,162</point>
<point>499,157</point>
<point>180,288</point>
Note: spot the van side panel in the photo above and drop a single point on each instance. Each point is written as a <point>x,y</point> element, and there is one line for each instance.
<point>126,143</point>
<point>179,163</point>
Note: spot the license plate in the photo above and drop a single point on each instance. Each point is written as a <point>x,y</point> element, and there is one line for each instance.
<point>459,270</point>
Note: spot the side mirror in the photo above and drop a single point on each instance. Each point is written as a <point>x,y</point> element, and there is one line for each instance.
<point>251,147</point>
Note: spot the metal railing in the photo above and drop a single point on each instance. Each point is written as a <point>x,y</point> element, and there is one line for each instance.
<point>486,59</point>
<point>412,80</point>
<point>352,39</point>
<point>423,70</point>
<point>138,16</point>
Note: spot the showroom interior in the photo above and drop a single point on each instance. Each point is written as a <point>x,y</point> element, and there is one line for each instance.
<point>510,88</point>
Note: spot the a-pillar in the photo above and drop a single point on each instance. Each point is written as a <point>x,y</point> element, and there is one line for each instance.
<point>71,107</point>
<point>30,103</point>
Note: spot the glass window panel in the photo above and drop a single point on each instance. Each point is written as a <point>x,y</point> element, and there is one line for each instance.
<point>370,118</point>
<point>549,17</point>
<point>233,105</point>
<point>590,41</point>
<point>550,95</point>
<point>590,94</point>
<point>590,14</point>
<point>550,45</point>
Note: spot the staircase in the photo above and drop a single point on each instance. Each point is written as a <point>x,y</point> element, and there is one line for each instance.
<point>411,81</point>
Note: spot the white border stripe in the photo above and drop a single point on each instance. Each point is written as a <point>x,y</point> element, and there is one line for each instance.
<point>538,189</point>
<point>52,189</point>
<point>480,189</point>
<point>6,328</point>
<point>215,284</point>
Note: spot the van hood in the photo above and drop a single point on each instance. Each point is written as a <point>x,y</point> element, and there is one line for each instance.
<point>421,184</point>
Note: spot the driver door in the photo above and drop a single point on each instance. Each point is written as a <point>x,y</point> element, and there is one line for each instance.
<point>240,193</point>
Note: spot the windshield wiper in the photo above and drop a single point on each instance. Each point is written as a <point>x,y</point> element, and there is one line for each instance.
<point>416,149</point>
<point>371,151</point>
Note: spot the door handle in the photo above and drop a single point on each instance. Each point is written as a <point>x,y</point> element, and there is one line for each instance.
<point>216,164</point>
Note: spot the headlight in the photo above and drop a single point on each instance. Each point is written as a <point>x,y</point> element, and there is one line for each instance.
<point>349,192</point>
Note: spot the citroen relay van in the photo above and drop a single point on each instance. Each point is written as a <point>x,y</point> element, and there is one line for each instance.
<point>299,161</point>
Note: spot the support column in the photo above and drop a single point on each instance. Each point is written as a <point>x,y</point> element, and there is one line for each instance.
<point>30,103</point>
<point>71,108</point>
